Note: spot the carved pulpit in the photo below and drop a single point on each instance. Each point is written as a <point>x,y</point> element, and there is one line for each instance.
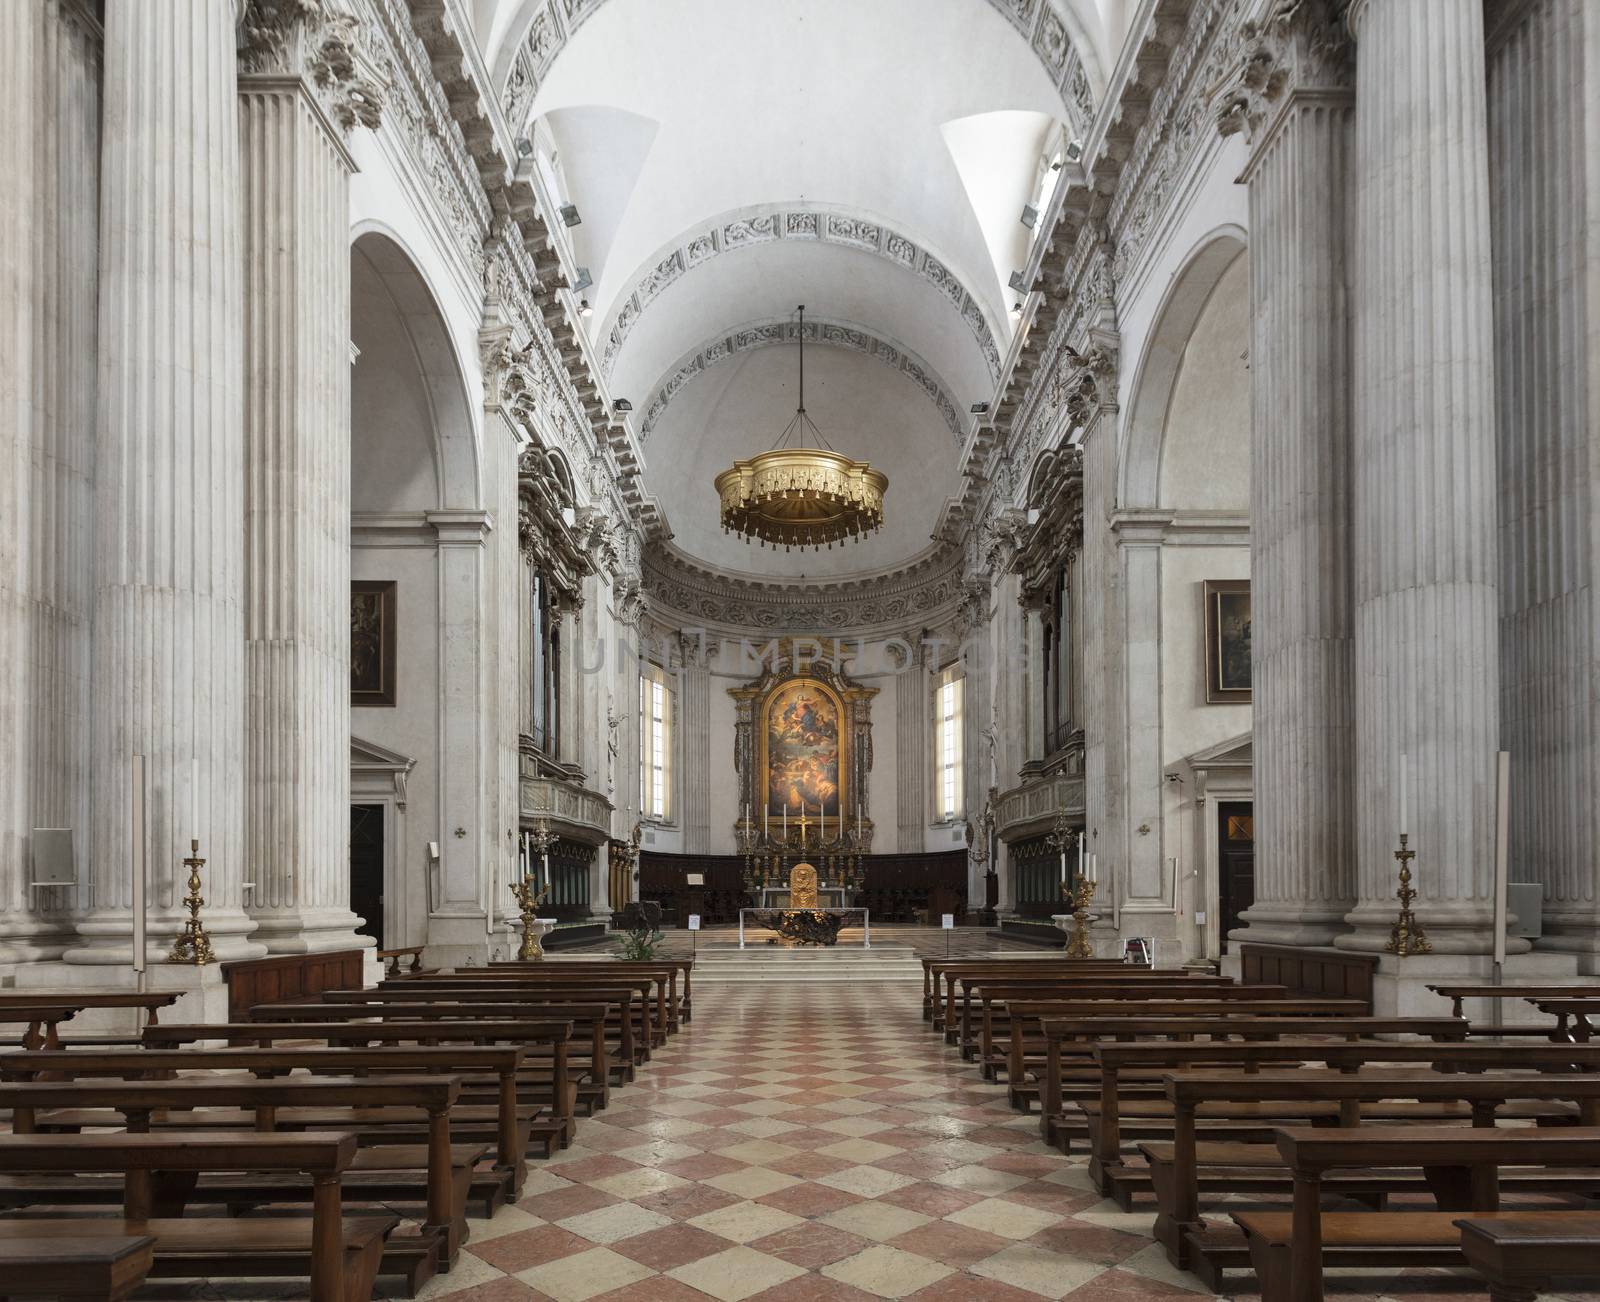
<point>803,887</point>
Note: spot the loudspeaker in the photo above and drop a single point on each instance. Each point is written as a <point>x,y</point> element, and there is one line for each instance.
<point>1525,901</point>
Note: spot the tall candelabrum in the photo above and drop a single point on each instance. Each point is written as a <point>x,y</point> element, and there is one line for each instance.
<point>1079,894</point>
<point>193,945</point>
<point>1407,935</point>
<point>528,894</point>
<point>767,853</point>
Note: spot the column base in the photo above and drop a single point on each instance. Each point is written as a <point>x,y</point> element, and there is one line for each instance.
<point>1579,937</point>
<point>309,931</point>
<point>1466,929</point>
<point>1400,985</point>
<point>106,937</point>
<point>1287,924</point>
<point>204,993</point>
<point>461,941</point>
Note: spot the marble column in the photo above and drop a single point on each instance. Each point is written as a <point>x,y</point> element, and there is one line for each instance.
<point>50,107</point>
<point>295,206</point>
<point>1297,105</point>
<point>692,730</point>
<point>1425,584</point>
<point>168,624</point>
<point>1544,134</point>
<point>912,706</point>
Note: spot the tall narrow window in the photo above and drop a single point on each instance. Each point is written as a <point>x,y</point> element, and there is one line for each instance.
<point>655,744</point>
<point>949,789</point>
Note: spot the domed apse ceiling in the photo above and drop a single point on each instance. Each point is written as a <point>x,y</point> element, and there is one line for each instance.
<point>864,407</point>
<point>731,160</point>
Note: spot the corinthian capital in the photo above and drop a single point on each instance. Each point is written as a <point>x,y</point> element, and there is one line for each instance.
<point>1299,45</point>
<point>317,41</point>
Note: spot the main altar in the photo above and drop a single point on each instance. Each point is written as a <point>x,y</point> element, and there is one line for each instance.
<point>801,918</point>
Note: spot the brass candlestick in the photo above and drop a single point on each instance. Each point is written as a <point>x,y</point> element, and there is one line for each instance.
<point>1079,893</point>
<point>193,946</point>
<point>529,901</point>
<point>1406,936</point>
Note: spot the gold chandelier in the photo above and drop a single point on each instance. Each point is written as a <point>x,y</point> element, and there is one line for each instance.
<point>801,496</point>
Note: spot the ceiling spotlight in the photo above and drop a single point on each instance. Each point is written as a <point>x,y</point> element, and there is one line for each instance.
<point>1074,150</point>
<point>623,405</point>
<point>584,309</point>
<point>1018,282</point>
<point>569,214</point>
<point>524,147</point>
<point>583,281</point>
<point>1030,216</point>
<point>980,408</point>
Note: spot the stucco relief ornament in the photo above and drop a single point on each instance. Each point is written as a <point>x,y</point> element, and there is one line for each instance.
<point>1299,44</point>
<point>1003,537</point>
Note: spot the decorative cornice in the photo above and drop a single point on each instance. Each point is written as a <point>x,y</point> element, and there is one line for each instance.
<point>1044,24</point>
<point>781,330</point>
<point>922,592</point>
<point>808,222</point>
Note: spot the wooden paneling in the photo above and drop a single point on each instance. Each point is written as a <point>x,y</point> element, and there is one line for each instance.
<point>1310,972</point>
<point>255,981</point>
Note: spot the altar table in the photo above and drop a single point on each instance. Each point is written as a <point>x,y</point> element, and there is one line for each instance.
<point>866,921</point>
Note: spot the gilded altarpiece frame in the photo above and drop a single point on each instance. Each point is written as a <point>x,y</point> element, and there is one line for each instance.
<point>803,733</point>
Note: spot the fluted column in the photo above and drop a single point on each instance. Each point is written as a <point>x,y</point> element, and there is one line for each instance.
<point>1544,107</point>
<point>1104,715</point>
<point>168,661</point>
<point>1297,104</point>
<point>693,729</point>
<point>912,706</point>
<point>295,220</point>
<point>1425,513</point>
<point>49,119</point>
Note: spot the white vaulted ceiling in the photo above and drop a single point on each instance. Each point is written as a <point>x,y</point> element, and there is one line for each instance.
<point>730,159</point>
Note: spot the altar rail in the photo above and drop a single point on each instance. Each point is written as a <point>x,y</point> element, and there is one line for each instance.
<point>902,888</point>
<point>1309,972</point>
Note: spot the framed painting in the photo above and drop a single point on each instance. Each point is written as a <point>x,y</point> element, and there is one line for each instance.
<point>1227,641</point>
<point>802,749</point>
<point>372,642</point>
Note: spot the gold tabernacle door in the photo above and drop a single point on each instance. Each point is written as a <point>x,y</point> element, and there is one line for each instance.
<point>803,887</point>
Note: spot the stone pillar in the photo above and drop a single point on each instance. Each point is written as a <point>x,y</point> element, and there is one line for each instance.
<point>692,734</point>
<point>1033,682</point>
<point>1425,584</point>
<point>295,202</point>
<point>168,662</point>
<point>1544,107</point>
<point>50,105</point>
<point>1297,104</point>
<point>912,705</point>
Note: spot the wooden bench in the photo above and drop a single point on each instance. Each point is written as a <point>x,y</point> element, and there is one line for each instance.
<point>933,970</point>
<point>1456,994</point>
<point>676,971</point>
<point>1257,1168</point>
<point>1068,971</point>
<point>340,1256</point>
<point>507,1123</point>
<point>656,985</point>
<point>391,959</point>
<point>1524,1257</point>
<point>553,1089</point>
<point>386,1171</point>
<point>149,1002</point>
<point>1575,1017</point>
<point>95,1267</point>
<point>1287,1249</point>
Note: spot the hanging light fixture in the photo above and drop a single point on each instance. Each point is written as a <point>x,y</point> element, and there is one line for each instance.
<point>799,494</point>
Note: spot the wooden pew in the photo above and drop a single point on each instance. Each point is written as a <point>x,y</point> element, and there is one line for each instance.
<point>1287,1249</point>
<point>150,1002</point>
<point>96,1267</point>
<point>657,984</point>
<point>678,973</point>
<point>1575,1017</point>
<point>387,1171</point>
<point>43,1021</point>
<point>557,1094</point>
<point>1457,993</point>
<point>339,1256</point>
<point>391,959</point>
<point>1294,1096</point>
<point>934,968</point>
<point>507,1123</point>
<point>588,1056</point>
<point>1531,1255</point>
<point>1069,970</point>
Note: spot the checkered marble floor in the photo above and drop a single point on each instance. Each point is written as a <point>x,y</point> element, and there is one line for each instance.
<point>821,1144</point>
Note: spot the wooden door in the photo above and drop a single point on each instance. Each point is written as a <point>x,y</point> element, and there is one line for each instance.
<point>366,869</point>
<point>1236,862</point>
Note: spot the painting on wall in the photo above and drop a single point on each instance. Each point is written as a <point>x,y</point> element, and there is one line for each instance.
<point>372,642</point>
<point>803,761</point>
<point>1227,641</point>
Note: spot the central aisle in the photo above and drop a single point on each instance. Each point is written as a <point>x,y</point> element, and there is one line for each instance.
<point>804,1143</point>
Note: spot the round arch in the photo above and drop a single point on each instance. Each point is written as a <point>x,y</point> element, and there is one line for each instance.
<point>1157,371</point>
<point>413,356</point>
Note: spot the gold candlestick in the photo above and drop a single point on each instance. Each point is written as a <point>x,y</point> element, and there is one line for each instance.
<point>1406,936</point>
<point>529,901</point>
<point>1079,893</point>
<point>193,946</point>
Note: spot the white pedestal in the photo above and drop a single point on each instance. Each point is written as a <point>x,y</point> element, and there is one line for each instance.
<point>1400,985</point>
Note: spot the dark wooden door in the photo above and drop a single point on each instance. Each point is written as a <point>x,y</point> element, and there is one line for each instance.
<point>1236,859</point>
<point>366,869</point>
